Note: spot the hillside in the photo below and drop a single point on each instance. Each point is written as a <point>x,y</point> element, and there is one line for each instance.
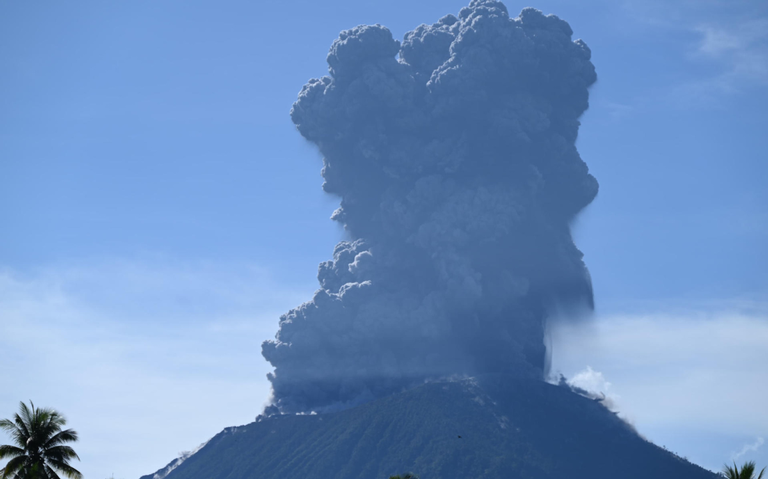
<point>508,428</point>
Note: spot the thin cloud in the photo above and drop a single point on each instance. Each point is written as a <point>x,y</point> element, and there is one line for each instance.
<point>677,367</point>
<point>724,42</point>
<point>749,448</point>
<point>131,350</point>
<point>741,49</point>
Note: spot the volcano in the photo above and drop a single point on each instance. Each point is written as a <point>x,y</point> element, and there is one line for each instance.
<point>489,427</point>
<point>454,157</point>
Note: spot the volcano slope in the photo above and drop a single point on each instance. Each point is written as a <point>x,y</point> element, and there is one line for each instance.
<point>491,427</point>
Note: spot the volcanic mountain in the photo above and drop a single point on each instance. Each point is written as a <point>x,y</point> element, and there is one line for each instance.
<point>454,157</point>
<point>490,427</point>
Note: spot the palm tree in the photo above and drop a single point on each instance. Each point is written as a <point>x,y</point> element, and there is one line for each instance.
<point>747,471</point>
<point>39,450</point>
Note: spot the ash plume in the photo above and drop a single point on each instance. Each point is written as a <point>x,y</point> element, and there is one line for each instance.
<point>454,156</point>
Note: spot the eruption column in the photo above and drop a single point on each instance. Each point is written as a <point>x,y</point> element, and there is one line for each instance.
<point>454,157</point>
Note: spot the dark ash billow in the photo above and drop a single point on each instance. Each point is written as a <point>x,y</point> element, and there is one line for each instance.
<point>454,156</point>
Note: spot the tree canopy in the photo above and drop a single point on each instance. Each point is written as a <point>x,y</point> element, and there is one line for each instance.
<point>747,471</point>
<point>39,449</point>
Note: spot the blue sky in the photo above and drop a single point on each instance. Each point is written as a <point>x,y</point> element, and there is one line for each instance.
<point>159,212</point>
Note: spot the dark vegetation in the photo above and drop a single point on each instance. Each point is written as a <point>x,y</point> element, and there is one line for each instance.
<point>747,471</point>
<point>39,449</point>
<point>508,428</point>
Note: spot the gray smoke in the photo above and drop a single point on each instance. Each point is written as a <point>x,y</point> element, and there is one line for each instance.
<point>454,156</point>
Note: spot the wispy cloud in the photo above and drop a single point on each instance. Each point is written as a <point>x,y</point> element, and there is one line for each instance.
<point>741,49</point>
<point>749,448</point>
<point>680,370</point>
<point>721,47</point>
<point>145,357</point>
<point>731,57</point>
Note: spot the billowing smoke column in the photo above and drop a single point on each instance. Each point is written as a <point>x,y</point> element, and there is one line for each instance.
<point>453,154</point>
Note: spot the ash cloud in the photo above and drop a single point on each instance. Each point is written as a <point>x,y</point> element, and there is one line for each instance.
<point>454,156</point>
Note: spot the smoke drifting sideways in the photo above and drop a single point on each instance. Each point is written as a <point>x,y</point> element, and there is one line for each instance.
<point>454,156</point>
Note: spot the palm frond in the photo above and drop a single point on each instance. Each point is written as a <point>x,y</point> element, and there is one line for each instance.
<point>7,425</point>
<point>14,431</point>
<point>61,453</point>
<point>748,470</point>
<point>13,466</point>
<point>67,470</point>
<point>47,425</point>
<point>28,418</point>
<point>58,419</point>
<point>26,413</point>
<point>7,451</point>
<point>22,426</point>
<point>731,473</point>
<point>51,421</point>
<point>51,473</point>
<point>67,435</point>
